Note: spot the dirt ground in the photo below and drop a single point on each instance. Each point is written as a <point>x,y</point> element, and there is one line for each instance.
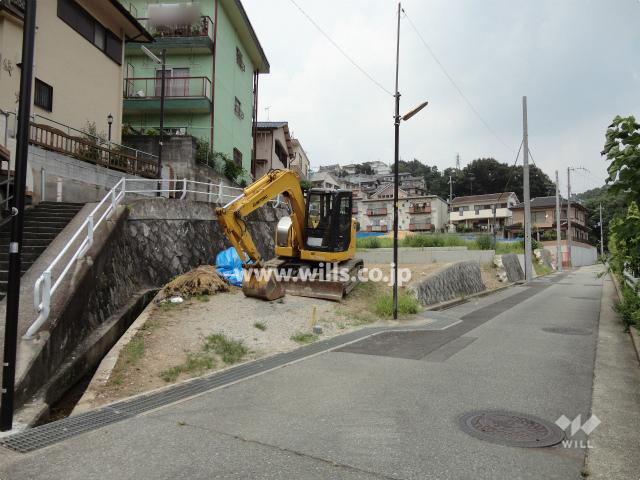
<point>174,335</point>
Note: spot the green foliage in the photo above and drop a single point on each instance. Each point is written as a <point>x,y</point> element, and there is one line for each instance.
<point>548,235</point>
<point>624,242</point>
<point>304,338</point>
<point>260,326</point>
<point>196,364</point>
<point>305,184</point>
<point>629,307</point>
<point>368,242</point>
<point>485,242</point>
<point>133,351</point>
<point>407,304</point>
<point>511,247</point>
<point>622,149</point>
<point>364,169</point>
<point>230,350</point>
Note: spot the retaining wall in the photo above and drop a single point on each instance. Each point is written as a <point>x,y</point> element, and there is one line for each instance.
<point>462,278</point>
<point>419,255</point>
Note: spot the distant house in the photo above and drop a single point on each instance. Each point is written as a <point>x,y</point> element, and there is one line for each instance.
<point>326,180</point>
<point>335,169</point>
<point>274,147</point>
<point>379,168</point>
<point>476,212</point>
<point>543,218</point>
<point>299,162</point>
<point>416,213</point>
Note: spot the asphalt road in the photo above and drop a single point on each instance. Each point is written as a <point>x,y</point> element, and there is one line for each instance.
<point>386,407</point>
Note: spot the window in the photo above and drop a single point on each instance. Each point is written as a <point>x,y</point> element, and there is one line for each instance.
<point>237,157</point>
<point>237,108</point>
<point>43,95</point>
<point>239,59</point>
<point>82,22</point>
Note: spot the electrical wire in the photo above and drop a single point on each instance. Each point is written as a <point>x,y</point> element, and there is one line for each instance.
<point>455,85</point>
<point>341,50</point>
<point>511,170</point>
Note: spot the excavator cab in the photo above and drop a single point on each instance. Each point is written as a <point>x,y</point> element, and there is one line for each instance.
<point>327,226</point>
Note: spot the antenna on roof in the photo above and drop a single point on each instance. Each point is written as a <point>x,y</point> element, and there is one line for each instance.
<point>457,161</point>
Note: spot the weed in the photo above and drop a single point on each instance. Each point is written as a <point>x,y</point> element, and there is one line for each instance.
<point>304,338</point>
<point>117,381</point>
<point>407,304</point>
<point>260,326</point>
<point>541,268</point>
<point>181,423</point>
<point>629,307</point>
<point>202,298</point>
<point>133,351</point>
<point>171,374</point>
<point>230,350</point>
<point>196,363</point>
<point>584,473</point>
<point>168,306</point>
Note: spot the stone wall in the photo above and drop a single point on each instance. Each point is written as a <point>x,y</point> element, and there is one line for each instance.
<point>509,268</point>
<point>462,278</point>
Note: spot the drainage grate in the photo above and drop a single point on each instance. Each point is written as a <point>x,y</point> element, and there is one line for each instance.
<point>511,429</point>
<point>568,330</point>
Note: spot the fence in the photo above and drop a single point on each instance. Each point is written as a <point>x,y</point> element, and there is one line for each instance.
<point>80,242</point>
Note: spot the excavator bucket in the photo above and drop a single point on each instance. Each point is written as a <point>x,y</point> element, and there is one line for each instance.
<point>260,284</point>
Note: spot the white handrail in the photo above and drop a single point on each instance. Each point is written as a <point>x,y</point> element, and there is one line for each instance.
<point>43,288</point>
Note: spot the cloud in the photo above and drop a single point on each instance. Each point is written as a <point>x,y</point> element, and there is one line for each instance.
<point>575,60</point>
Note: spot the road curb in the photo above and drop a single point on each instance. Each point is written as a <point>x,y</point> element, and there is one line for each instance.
<point>635,338</point>
<point>460,301</point>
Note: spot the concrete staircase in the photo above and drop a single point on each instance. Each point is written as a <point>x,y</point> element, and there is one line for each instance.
<point>42,224</point>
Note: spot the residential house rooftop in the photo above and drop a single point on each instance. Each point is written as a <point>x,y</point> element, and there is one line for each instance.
<point>486,198</point>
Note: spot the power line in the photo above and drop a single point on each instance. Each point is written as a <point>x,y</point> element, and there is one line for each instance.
<point>512,169</point>
<point>455,85</point>
<point>341,50</point>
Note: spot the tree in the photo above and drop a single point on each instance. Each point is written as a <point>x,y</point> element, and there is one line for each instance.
<point>622,148</point>
<point>364,169</point>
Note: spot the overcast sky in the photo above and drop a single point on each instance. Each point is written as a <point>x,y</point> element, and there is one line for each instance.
<point>578,62</point>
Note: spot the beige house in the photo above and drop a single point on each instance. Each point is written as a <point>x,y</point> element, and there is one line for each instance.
<point>543,219</point>
<point>78,62</point>
<point>476,212</point>
<point>274,147</point>
<point>326,180</point>
<point>300,162</point>
<point>416,213</point>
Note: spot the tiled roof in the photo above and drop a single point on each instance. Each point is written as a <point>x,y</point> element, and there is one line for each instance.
<point>486,198</point>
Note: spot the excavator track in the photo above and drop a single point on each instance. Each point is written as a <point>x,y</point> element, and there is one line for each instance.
<point>309,279</point>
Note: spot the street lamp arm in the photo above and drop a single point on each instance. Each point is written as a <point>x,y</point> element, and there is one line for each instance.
<point>411,113</point>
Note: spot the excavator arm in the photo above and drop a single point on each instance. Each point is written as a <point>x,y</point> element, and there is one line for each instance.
<point>231,216</point>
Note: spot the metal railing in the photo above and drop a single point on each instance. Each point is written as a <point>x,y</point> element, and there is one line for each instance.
<point>174,87</point>
<point>45,286</point>
<point>631,281</point>
<point>203,28</point>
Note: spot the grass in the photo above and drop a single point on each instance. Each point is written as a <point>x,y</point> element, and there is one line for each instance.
<point>304,338</point>
<point>133,351</point>
<point>231,351</point>
<point>629,307</point>
<point>512,247</point>
<point>407,304</point>
<point>541,268</point>
<point>482,242</point>
<point>202,298</point>
<point>260,326</point>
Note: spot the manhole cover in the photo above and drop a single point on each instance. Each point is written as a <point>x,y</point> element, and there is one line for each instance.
<point>568,330</point>
<point>511,429</point>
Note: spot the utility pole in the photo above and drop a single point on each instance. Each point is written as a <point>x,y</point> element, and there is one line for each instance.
<point>528,267</point>
<point>569,215</point>
<point>396,162</point>
<point>558,228</point>
<point>601,234</point>
<point>450,201</point>
<point>161,142</point>
<point>15,244</point>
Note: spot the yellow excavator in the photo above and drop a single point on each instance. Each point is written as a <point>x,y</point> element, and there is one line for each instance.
<point>315,245</point>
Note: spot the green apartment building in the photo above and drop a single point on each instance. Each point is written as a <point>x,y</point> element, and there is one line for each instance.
<point>213,62</point>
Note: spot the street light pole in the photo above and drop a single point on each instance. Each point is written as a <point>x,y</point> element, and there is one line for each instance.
<point>396,162</point>
<point>15,242</point>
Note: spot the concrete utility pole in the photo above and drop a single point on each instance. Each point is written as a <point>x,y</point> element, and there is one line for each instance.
<point>395,174</point>
<point>601,234</point>
<point>558,228</point>
<point>528,267</point>
<point>569,215</point>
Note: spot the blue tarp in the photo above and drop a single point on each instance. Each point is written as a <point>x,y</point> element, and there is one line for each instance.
<point>229,266</point>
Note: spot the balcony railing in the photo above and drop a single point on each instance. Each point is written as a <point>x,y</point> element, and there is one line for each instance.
<point>377,228</point>
<point>203,28</point>
<point>376,211</point>
<point>93,151</point>
<point>413,227</point>
<point>416,209</point>
<point>175,87</point>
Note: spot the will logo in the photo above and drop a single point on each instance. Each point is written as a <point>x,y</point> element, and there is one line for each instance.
<point>575,426</point>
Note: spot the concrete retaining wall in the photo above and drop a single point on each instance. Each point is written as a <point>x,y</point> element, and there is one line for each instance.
<point>509,267</point>
<point>462,278</point>
<point>427,255</point>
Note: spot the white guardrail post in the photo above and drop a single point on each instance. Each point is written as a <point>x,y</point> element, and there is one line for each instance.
<point>184,189</point>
